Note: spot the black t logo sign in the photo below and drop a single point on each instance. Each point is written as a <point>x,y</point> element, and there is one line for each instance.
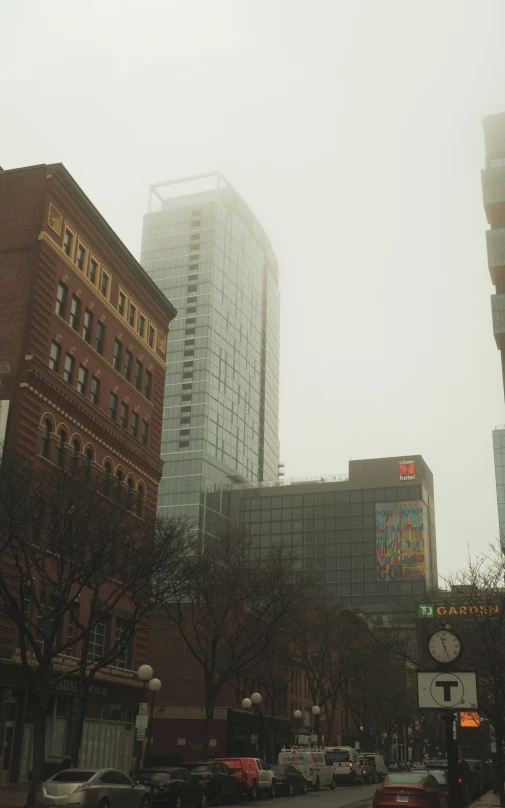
<point>447,688</point>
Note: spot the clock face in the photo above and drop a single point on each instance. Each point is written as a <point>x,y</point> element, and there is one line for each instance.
<point>444,646</point>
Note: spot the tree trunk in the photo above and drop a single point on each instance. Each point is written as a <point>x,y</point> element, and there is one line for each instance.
<point>39,695</point>
<point>78,711</point>
<point>270,729</point>
<point>209,715</point>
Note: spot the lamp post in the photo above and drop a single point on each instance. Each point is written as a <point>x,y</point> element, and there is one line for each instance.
<point>297,716</point>
<point>154,685</point>
<point>316,712</point>
<point>254,701</point>
<point>145,674</point>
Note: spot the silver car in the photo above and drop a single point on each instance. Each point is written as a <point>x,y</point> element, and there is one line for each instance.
<point>95,788</point>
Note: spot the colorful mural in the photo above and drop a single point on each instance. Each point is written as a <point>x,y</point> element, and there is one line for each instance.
<point>399,541</point>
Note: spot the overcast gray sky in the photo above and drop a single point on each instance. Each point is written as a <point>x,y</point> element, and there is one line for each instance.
<point>353,130</point>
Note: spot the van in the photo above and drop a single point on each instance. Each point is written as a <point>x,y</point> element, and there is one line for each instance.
<point>345,761</point>
<point>312,763</point>
<point>378,762</point>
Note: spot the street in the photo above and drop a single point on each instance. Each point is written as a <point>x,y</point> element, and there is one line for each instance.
<point>361,797</point>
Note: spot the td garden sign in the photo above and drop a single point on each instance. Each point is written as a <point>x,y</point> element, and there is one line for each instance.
<point>432,610</point>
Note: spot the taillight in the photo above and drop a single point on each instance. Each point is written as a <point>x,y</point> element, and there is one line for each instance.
<point>280,777</point>
<point>350,765</point>
<point>460,781</point>
<point>83,787</point>
<point>166,783</point>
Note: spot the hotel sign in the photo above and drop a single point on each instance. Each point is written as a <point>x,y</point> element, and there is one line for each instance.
<point>407,470</point>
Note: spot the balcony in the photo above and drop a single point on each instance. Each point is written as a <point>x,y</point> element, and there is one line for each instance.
<point>498,310</point>
<point>493,194</point>
<point>496,255</point>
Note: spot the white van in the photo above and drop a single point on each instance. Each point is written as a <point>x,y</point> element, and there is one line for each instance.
<point>378,762</point>
<point>312,763</point>
<point>345,761</point>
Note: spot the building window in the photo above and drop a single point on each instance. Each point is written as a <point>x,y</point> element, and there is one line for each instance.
<point>81,257</point>
<point>82,380</point>
<point>113,406</point>
<point>128,359</point>
<point>54,357</point>
<point>97,641</point>
<point>152,336</point>
<point>68,242</point>
<point>46,437</point>
<point>132,314</point>
<point>89,460</point>
<point>74,458</point>
<point>61,300</point>
<point>87,326</point>
<point>142,326</point>
<point>116,358</point>
<point>134,424</point>
<point>93,270</point>
<point>122,637</point>
<point>75,313</point>
<point>106,478</point>
<point>104,285</point>
<point>138,375</point>
<point>121,304</point>
<point>94,394</point>
<point>129,493</point>
<point>60,448</point>
<point>148,384</point>
<point>119,486</point>
<point>68,370</point>
<point>99,337</point>
<point>123,415</point>
<point>144,432</point>
<point>140,500</point>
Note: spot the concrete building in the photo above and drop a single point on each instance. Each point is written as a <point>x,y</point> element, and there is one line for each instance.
<point>205,250</point>
<point>493,192</point>
<point>368,536</point>
<point>83,334</point>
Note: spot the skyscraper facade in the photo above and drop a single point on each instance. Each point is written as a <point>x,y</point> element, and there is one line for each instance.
<point>208,253</point>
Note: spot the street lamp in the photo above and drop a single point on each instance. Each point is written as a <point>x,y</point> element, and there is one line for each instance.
<point>246,704</point>
<point>145,674</point>
<point>297,716</point>
<point>154,686</point>
<point>254,701</point>
<point>316,711</point>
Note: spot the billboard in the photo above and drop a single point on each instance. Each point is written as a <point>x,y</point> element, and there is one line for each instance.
<point>407,470</point>
<point>399,541</point>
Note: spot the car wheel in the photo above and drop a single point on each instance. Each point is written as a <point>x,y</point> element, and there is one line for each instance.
<point>216,798</point>
<point>317,784</point>
<point>146,801</point>
<point>291,791</point>
<point>304,788</point>
<point>104,803</point>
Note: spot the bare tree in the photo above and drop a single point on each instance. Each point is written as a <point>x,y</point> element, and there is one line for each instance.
<point>64,540</point>
<point>228,604</point>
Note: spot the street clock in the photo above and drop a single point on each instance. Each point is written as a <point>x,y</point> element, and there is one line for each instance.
<point>444,646</point>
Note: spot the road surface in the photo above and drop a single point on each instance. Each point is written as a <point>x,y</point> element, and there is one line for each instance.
<point>341,797</point>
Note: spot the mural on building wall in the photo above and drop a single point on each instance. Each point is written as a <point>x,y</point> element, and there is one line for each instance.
<point>399,541</point>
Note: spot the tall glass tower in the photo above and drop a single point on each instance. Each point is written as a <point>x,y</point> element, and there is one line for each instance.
<point>205,249</point>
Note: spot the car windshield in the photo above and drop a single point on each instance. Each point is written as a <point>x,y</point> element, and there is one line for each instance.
<point>277,768</point>
<point>73,776</point>
<point>197,767</point>
<point>157,776</point>
<point>440,777</point>
<point>406,777</point>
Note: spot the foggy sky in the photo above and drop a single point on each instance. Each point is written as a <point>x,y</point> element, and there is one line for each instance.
<point>353,130</point>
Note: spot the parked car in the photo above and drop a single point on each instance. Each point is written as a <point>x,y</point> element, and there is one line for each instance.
<point>288,780</point>
<point>217,779</point>
<point>172,787</point>
<point>464,797</point>
<point>312,763</point>
<point>378,762</point>
<point>466,775</point>
<point>396,766</point>
<point>368,772</point>
<point>253,776</point>
<point>94,788</point>
<point>411,788</point>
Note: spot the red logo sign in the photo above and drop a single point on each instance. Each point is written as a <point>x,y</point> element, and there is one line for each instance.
<point>407,470</point>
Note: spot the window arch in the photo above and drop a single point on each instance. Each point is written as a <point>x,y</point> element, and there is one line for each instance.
<point>60,448</point>
<point>106,480</point>
<point>47,428</point>
<point>129,492</point>
<point>140,500</point>
<point>119,485</point>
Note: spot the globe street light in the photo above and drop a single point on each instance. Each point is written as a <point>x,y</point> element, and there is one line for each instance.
<point>145,674</point>
<point>297,715</point>
<point>256,698</point>
<point>316,710</point>
<point>246,704</point>
<point>154,686</point>
<point>254,701</point>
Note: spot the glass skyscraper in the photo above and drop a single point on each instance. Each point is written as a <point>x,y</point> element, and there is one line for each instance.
<point>205,249</point>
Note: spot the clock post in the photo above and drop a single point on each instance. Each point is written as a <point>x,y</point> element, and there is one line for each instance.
<point>447,690</point>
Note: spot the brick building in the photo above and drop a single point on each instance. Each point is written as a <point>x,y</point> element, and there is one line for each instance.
<point>83,333</point>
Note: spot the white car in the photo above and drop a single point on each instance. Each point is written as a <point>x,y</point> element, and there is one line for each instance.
<point>312,763</point>
<point>266,782</point>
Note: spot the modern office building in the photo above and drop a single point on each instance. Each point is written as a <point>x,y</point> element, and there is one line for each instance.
<point>207,252</point>
<point>369,536</point>
<point>493,191</point>
<point>83,334</point>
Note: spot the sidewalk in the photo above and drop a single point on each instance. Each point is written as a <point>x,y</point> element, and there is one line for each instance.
<point>13,796</point>
<point>489,800</point>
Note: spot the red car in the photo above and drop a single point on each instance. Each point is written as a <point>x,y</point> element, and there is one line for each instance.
<point>413,789</point>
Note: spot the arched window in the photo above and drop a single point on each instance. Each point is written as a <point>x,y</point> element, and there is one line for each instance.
<point>106,479</point>
<point>119,485</point>
<point>60,448</point>
<point>140,500</point>
<point>74,460</point>
<point>89,459</point>
<point>46,438</point>
<point>129,493</point>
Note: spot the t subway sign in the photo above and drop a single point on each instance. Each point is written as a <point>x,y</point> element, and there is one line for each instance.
<point>407,470</point>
